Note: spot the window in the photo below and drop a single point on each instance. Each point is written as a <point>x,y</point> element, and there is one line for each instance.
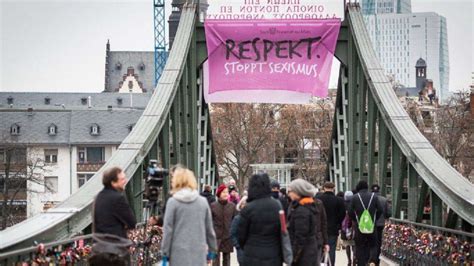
<point>52,129</point>
<point>51,184</point>
<point>3,157</point>
<point>47,100</point>
<point>10,100</point>
<point>95,130</point>
<point>51,156</point>
<point>15,130</point>
<point>83,101</point>
<point>90,154</point>
<point>83,178</point>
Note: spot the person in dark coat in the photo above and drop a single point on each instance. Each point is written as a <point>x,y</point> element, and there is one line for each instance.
<point>276,194</point>
<point>321,229</point>
<point>223,212</point>
<point>302,219</point>
<point>112,214</point>
<point>207,193</point>
<point>380,223</point>
<point>234,230</point>
<point>335,213</point>
<point>365,244</point>
<point>259,226</point>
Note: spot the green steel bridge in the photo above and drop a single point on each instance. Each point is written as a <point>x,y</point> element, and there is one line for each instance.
<point>373,138</point>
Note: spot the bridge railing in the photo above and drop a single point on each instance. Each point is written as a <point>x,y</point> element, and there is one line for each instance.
<point>410,243</point>
<point>145,249</point>
<point>71,251</point>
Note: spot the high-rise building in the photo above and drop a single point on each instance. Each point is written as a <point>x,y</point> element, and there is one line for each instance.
<point>400,39</point>
<point>372,7</point>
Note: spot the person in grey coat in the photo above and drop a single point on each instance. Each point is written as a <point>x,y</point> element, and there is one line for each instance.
<point>380,222</point>
<point>188,232</point>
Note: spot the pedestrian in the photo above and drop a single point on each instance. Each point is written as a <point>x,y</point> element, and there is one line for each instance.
<point>188,234</point>
<point>223,212</point>
<point>233,194</point>
<point>207,193</point>
<point>380,222</point>
<point>112,213</point>
<point>321,229</point>
<point>275,185</point>
<point>302,219</point>
<point>259,226</point>
<point>347,230</point>
<point>364,210</point>
<point>234,230</point>
<point>335,213</point>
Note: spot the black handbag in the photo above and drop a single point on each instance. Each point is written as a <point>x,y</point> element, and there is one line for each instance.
<point>110,250</point>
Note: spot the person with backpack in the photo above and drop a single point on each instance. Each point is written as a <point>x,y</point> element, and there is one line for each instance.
<point>364,210</point>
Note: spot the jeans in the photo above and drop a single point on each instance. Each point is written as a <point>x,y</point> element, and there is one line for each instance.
<point>332,241</point>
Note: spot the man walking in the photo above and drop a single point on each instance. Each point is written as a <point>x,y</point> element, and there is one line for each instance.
<point>364,210</point>
<point>380,222</point>
<point>275,185</point>
<point>335,212</point>
<point>112,214</point>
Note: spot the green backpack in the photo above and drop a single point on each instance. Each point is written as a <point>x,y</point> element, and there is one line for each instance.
<point>366,225</point>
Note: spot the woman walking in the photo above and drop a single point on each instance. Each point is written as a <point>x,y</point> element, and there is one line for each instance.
<point>259,226</point>
<point>188,233</point>
<point>223,212</point>
<point>302,219</point>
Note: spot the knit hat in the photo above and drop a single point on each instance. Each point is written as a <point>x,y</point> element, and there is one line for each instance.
<point>274,184</point>
<point>220,189</point>
<point>303,188</point>
<point>231,187</point>
<point>348,195</point>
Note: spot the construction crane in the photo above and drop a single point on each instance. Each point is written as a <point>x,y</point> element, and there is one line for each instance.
<point>160,40</point>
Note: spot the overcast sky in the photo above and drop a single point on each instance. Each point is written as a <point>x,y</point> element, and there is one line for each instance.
<point>59,45</point>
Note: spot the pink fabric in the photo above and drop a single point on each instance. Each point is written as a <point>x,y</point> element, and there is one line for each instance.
<point>275,55</point>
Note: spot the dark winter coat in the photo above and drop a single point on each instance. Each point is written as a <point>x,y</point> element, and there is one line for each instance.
<point>302,221</point>
<point>321,223</point>
<point>260,232</point>
<point>208,195</point>
<point>386,209</point>
<point>356,208</point>
<point>282,199</point>
<point>234,235</point>
<point>335,211</point>
<point>222,215</point>
<point>112,214</point>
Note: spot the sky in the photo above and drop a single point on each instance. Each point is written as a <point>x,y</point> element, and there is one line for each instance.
<point>59,45</point>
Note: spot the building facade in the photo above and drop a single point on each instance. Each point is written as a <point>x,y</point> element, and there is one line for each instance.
<point>66,138</point>
<point>372,7</point>
<point>400,37</point>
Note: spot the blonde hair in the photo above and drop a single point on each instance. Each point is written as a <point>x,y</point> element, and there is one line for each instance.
<point>183,178</point>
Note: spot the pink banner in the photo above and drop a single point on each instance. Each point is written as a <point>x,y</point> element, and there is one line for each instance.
<point>271,55</point>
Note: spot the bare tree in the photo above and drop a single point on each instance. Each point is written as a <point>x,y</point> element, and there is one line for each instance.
<point>18,171</point>
<point>305,134</point>
<point>243,134</point>
<point>453,131</point>
<point>246,134</point>
<point>450,129</point>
